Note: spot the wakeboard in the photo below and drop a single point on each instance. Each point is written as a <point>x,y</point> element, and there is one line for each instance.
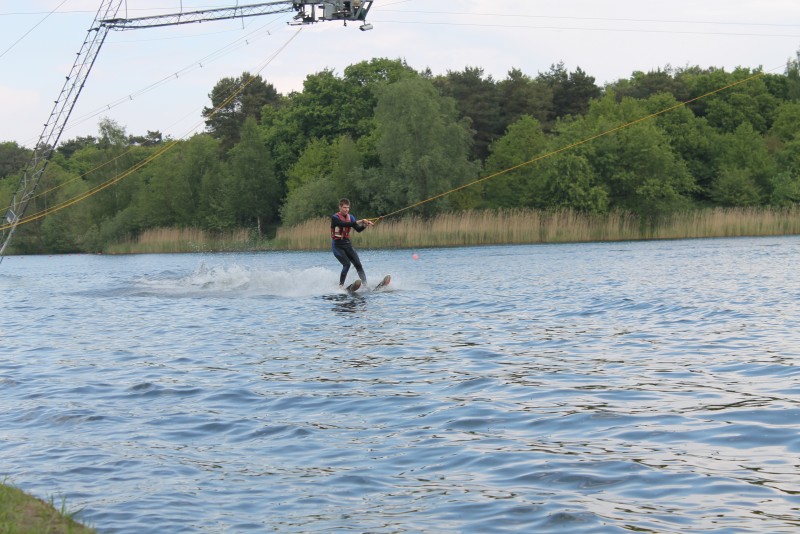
<point>383,283</point>
<point>352,288</point>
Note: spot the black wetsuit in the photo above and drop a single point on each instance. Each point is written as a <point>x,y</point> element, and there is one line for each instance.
<point>343,248</point>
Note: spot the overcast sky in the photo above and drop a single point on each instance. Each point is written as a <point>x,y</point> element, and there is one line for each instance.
<point>159,79</point>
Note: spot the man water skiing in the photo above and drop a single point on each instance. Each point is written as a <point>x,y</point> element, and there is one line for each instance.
<point>341,223</point>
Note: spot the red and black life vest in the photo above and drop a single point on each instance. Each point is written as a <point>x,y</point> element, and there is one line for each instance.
<point>341,232</point>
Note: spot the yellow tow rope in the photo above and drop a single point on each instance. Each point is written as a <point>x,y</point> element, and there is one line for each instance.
<point>566,148</point>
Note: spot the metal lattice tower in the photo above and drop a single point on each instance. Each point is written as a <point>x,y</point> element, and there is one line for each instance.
<point>57,121</point>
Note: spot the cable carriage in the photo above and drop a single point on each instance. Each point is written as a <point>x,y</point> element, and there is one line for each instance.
<point>345,10</point>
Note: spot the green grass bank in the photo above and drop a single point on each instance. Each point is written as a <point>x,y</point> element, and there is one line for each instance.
<point>21,513</point>
<point>489,227</point>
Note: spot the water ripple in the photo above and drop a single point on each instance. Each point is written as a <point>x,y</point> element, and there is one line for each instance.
<point>601,388</point>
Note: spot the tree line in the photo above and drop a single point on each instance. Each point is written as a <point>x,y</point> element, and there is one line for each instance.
<point>388,136</point>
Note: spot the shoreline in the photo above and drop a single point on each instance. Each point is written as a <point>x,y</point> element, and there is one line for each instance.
<point>470,228</point>
<point>23,512</point>
<point>487,227</point>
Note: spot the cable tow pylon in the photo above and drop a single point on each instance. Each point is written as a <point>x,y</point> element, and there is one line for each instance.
<point>308,12</point>
<point>57,121</point>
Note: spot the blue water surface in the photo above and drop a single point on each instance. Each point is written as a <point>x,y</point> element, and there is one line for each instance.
<point>615,387</point>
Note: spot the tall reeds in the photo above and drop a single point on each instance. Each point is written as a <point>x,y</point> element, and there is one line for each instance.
<point>484,227</point>
<point>164,240</point>
<point>491,227</point>
<point>730,222</point>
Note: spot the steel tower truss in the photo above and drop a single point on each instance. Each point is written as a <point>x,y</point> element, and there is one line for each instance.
<point>56,122</point>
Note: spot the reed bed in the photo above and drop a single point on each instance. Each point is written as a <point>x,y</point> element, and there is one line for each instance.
<point>491,227</point>
<point>731,222</point>
<point>483,227</point>
<point>164,240</point>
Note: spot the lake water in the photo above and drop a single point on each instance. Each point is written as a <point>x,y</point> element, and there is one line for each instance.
<point>615,387</point>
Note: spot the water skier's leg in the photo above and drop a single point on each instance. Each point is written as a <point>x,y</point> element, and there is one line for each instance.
<point>341,255</point>
<point>353,255</point>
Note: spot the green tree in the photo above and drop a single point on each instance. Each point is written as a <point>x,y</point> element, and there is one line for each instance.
<point>788,159</point>
<point>13,158</point>
<point>699,82</point>
<point>726,109</point>
<point>233,100</point>
<point>735,187</point>
<point>792,86</point>
<point>325,173</point>
<point>692,139</point>
<point>152,138</point>
<point>636,164</point>
<point>99,164</point>
<point>218,194</point>
<point>112,134</point>
<point>643,85</point>
<point>785,189</point>
<point>570,182</point>
<point>114,210</point>
<point>315,161</point>
<point>312,199</point>
<point>746,150</point>
<point>69,147</point>
<point>171,193</point>
<point>786,86</point>
<point>521,187</point>
<point>478,101</point>
<point>572,91</point>
<point>64,231</point>
<point>196,157</point>
<point>254,179</point>
<point>362,82</point>
<point>314,113</point>
<point>327,107</point>
<point>317,112</point>
<point>520,95</point>
<point>786,182</point>
<point>560,181</point>
<point>787,121</point>
<point>422,145</point>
